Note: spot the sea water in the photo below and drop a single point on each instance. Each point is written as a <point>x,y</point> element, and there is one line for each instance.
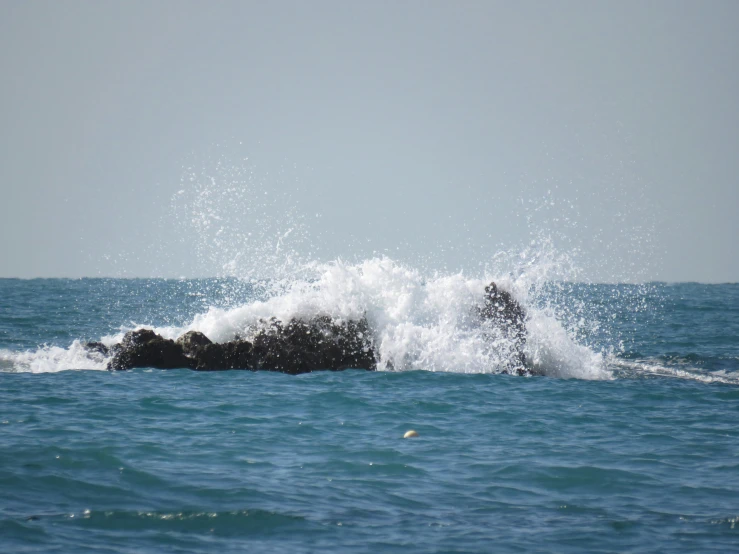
<point>625,441</point>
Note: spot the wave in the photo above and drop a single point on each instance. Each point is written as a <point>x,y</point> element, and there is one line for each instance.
<point>418,322</point>
<point>658,367</point>
<point>50,359</point>
<point>426,322</point>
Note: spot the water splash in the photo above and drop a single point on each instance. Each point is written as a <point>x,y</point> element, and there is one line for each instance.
<point>51,359</point>
<point>231,220</point>
<point>231,224</point>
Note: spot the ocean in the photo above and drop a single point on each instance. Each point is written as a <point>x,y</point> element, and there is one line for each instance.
<point>625,440</point>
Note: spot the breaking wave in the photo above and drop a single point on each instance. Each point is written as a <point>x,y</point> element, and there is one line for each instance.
<point>420,318</point>
<point>418,322</point>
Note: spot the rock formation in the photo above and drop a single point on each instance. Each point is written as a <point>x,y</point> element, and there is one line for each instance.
<point>504,316</point>
<point>298,346</point>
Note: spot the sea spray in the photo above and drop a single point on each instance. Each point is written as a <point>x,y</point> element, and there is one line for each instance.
<point>418,322</point>
<point>574,330</point>
<point>235,224</point>
<point>231,219</point>
<point>50,359</point>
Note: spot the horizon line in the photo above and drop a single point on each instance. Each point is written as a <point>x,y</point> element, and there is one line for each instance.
<point>214,277</point>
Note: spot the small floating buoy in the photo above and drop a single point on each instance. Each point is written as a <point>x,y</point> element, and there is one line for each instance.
<point>410,434</point>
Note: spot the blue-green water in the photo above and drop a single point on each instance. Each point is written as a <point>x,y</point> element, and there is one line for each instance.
<point>643,456</point>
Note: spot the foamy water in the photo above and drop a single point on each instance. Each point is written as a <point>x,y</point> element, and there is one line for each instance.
<point>52,358</point>
<point>420,319</point>
<point>418,323</point>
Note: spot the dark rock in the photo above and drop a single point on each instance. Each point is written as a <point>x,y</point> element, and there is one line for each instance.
<point>296,347</point>
<point>503,313</point>
<point>319,343</point>
<point>230,355</point>
<point>140,336</point>
<point>192,341</point>
<point>144,348</point>
<point>209,356</point>
<point>98,347</point>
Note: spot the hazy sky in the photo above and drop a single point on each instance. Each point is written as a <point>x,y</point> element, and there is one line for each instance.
<point>435,131</point>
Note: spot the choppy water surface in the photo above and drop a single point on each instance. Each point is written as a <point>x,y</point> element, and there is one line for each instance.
<point>638,453</point>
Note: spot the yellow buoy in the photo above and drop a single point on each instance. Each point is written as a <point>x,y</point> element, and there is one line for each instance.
<point>410,434</point>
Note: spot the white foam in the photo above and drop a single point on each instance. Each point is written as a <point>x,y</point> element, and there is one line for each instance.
<point>551,351</point>
<point>656,368</point>
<point>50,359</point>
<point>418,322</point>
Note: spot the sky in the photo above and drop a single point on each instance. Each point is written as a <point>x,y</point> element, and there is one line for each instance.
<point>178,138</point>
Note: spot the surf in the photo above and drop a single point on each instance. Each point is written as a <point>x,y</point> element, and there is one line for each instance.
<point>417,321</point>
